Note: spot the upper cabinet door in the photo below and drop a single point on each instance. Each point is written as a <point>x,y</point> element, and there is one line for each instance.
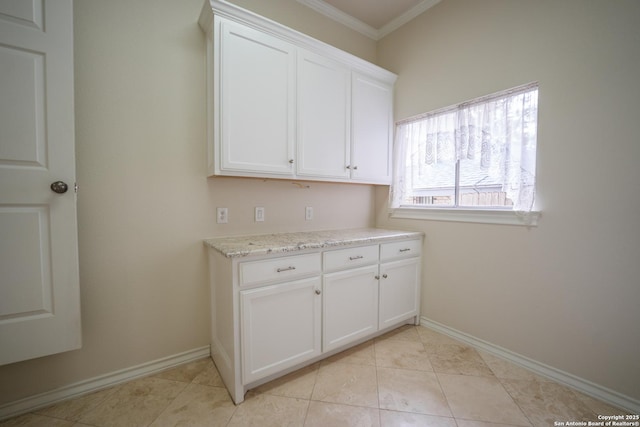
<point>323,117</point>
<point>283,105</point>
<point>257,101</point>
<point>372,130</point>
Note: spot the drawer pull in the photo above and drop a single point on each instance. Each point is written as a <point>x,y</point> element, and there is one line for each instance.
<point>280,270</point>
<point>405,250</point>
<point>353,258</point>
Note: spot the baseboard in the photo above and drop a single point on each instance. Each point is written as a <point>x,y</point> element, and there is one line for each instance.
<point>584,386</point>
<point>78,389</point>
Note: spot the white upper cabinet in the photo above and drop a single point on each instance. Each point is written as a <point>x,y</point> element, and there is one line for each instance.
<point>257,96</point>
<point>323,141</point>
<point>372,129</point>
<point>284,105</point>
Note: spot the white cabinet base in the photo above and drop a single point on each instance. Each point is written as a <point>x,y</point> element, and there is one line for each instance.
<point>273,314</point>
<point>280,326</point>
<point>343,320</point>
<point>398,293</point>
<point>241,389</point>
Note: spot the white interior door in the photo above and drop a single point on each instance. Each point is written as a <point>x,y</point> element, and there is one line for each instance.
<point>39,285</point>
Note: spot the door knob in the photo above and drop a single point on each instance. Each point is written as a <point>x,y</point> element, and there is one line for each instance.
<point>59,187</point>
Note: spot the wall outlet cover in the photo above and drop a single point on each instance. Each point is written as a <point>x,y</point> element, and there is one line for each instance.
<point>222,215</point>
<point>259,215</point>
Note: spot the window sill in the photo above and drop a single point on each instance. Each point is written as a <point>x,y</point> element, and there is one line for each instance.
<point>483,216</point>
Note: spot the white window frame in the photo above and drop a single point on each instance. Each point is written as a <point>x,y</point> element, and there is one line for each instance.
<point>480,214</point>
<point>464,214</point>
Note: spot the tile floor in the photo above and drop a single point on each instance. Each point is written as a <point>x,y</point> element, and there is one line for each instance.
<point>412,376</point>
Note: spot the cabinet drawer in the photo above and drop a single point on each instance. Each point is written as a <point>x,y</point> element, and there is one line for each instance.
<point>350,257</point>
<point>278,269</point>
<point>404,249</point>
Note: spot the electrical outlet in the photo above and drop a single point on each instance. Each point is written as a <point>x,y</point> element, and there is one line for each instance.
<point>308,213</point>
<point>222,216</point>
<point>259,214</point>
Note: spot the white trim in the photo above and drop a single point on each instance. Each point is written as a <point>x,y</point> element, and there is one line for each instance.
<point>501,94</point>
<point>343,18</point>
<point>225,9</point>
<point>365,29</point>
<point>584,386</point>
<point>483,216</point>
<point>32,403</point>
<point>399,21</point>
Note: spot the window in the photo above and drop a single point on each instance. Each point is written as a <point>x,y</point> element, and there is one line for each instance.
<point>477,155</point>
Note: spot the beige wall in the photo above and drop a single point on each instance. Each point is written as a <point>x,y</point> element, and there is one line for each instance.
<point>145,203</point>
<point>565,293</point>
<point>335,206</point>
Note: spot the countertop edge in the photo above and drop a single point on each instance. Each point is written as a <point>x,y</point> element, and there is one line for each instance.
<point>287,243</point>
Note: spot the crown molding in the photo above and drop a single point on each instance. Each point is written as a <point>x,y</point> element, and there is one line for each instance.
<point>399,21</point>
<point>359,26</point>
<point>228,10</point>
<point>339,16</point>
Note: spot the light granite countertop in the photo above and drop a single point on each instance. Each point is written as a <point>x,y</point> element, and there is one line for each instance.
<point>265,244</point>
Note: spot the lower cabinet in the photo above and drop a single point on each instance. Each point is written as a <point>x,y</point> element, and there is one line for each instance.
<point>280,326</point>
<point>350,306</point>
<point>274,313</point>
<point>399,293</point>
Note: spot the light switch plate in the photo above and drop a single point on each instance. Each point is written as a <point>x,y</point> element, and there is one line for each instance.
<point>308,213</point>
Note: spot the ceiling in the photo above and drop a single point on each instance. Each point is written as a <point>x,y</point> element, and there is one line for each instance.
<point>373,18</point>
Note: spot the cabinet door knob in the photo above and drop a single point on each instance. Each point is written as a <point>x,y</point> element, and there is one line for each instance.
<point>385,275</point>
<point>318,291</point>
<point>377,277</point>
<point>291,161</point>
